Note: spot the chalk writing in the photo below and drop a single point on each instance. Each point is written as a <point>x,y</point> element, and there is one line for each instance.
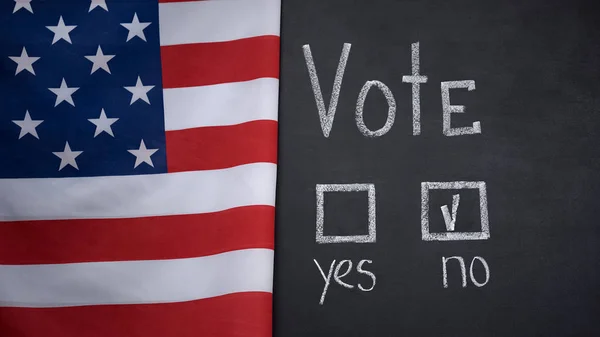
<point>338,278</point>
<point>416,79</point>
<point>360,270</point>
<point>463,270</point>
<point>450,220</point>
<point>487,271</point>
<point>450,109</point>
<point>338,271</point>
<point>360,103</point>
<point>327,279</point>
<point>326,116</point>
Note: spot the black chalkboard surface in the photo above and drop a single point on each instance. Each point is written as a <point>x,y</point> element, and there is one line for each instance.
<point>466,135</point>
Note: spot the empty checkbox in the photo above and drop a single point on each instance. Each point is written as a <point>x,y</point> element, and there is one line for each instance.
<point>323,190</point>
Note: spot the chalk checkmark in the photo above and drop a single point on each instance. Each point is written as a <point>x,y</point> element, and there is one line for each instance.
<point>450,220</point>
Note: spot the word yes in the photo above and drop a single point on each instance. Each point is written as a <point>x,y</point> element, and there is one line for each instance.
<point>338,278</point>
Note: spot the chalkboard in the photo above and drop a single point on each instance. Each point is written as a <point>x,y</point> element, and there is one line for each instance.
<point>456,189</point>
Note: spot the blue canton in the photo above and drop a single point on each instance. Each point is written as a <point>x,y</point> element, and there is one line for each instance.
<point>80,89</point>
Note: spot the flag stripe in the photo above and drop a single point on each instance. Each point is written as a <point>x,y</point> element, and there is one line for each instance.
<point>213,21</point>
<point>221,62</point>
<point>137,195</point>
<point>221,104</point>
<point>225,146</point>
<point>240,314</point>
<point>167,237</point>
<point>132,282</point>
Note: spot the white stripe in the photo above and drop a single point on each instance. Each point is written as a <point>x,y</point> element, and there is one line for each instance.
<point>221,104</point>
<point>133,282</point>
<point>137,195</point>
<point>215,21</point>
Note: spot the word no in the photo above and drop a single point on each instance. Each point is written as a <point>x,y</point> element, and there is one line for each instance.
<point>463,270</point>
<point>337,277</point>
<point>326,115</point>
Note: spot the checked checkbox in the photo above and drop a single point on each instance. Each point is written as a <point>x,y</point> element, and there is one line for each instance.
<point>451,216</point>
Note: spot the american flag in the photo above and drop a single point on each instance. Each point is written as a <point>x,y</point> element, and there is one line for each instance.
<point>138,167</point>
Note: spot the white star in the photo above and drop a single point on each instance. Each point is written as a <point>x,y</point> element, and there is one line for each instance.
<point>28,126</point>
<point>98,3</point>
<point>136,28</point>
<point>23,4</point>
<point>67,157</point>
<point>61,31</point>
<point>103,124</point>
<point>24,62</point>
<point>142,155</point>
<point>100,61</point>
<point>63,93</point>
<point>139,91</point>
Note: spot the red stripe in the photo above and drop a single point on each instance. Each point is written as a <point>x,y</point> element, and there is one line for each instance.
<point>234,315</point>
<point>217,147</point>
<point>191,65</point>
<point>165,237</point>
